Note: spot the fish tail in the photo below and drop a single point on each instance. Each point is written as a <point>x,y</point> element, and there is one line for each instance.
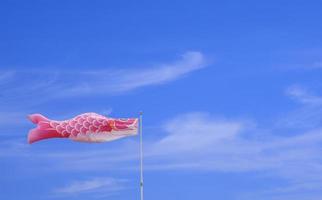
<point>43,129</point>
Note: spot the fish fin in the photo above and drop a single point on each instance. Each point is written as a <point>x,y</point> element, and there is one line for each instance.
<point>36,118</point>
<point>43,129</point>
<point>37,134</point>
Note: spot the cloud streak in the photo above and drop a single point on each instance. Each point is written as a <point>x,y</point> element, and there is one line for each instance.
<point>22,85</point>
<point>126,80</point>
<point>97,187</point>
<point>227,145</point>
<point>307,114</point>
<point>303,96</point>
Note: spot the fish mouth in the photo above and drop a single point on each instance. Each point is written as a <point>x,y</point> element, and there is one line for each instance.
<point>125,125</point>
<point>134,125</point>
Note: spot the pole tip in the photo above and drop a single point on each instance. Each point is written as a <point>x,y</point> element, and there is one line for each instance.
<point>141,112</point>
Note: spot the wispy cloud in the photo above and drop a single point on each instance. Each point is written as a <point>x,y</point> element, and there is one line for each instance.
<point>307,114</point>
<point>23,85</point>
<point>126,80</point>
<point>228,145</point>
<point>301,95</point>
<point>193,132</point>
<point>200,142</point>
<point>96,187</point>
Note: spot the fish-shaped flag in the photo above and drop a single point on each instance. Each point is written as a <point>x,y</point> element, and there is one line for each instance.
<point>87,127</point>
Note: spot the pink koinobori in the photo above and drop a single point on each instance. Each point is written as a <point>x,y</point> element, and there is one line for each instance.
<point>87,127</point>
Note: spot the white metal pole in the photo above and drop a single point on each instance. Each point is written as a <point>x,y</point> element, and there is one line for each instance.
<point>141,157</point>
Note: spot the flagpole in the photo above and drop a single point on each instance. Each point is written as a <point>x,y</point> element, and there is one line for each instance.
<point>141,158</point>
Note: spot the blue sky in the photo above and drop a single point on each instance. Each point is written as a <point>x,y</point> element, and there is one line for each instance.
<point>231,94</point>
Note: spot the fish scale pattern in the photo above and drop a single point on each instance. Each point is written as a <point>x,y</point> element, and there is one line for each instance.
<point>87,123</point>
<point>87,127</point>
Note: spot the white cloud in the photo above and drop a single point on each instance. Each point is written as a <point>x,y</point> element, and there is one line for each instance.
<point>193,133</point>
<point>203,143</point>
<point>56,84</point>
<point>189,62</point>
<point>100,82</point>
<point>307,114</point>
<point>95,186</point>
<point>301,95</point>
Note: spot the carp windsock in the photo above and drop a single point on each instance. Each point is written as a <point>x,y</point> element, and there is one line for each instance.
<point>87,127</point>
